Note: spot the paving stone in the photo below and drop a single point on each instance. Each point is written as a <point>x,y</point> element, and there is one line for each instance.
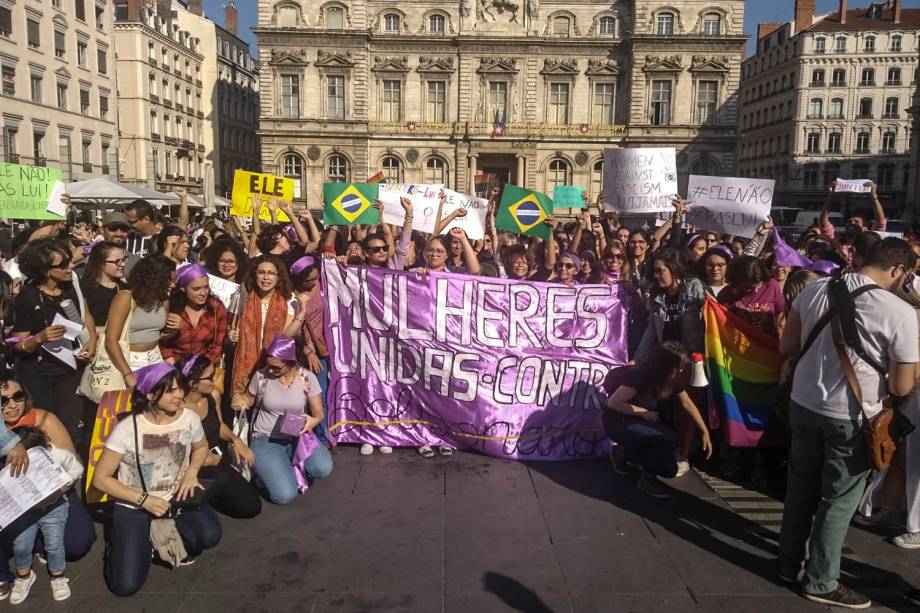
<point>386,564</point>
<point>373,602</point>
<point>491,563</point>
<point>507,599</point>
<point>622,603</point>
<point>272,602</point>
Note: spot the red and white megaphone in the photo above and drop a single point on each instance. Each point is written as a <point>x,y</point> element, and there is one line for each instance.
<point>698,376</point>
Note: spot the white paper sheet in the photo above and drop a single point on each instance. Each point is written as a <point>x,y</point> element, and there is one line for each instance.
<point>223,289</point>
<point>55,204</point>
<point>855,186</point>
<point>19,494</point>
<point>73,329</point>
<point>62,350</point>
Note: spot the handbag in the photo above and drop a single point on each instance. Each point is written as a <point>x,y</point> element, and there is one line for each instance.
<point>292,424</point>
<point>101,375</point>
<point>883,432</point>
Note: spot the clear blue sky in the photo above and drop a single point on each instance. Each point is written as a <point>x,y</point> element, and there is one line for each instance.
<point>756,11</point>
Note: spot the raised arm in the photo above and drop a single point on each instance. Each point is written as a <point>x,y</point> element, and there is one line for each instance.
<point>469,255</point>
<point>303,239</point>
<point>183,207</point>
<point>880,222</point>
<point>552,248</point>
<point>256,228</point>
<point>824,221</point>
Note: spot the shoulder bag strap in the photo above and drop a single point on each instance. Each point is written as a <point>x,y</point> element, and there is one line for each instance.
<point>137,454</point>
<point>826,318</point>
<point>846,364</point>
<point>256,405</point>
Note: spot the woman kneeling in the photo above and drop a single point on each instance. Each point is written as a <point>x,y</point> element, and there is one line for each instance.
<point>640,422</point>
<point>156,452</point>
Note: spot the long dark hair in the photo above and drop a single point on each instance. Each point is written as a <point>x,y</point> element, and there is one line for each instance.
<point>168,232</point>
<point>668,362</point>
<point>674,261</point>
<point>35,259</point>
<point>221,246</point>
<point>201,364</point>
<point>284,287</point>
<point>141,404</point>
<point>96,261</point>
<point>149,281</point>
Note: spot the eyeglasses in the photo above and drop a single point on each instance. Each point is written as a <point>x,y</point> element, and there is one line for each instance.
<point>118,262</point>
<point>17,397</point>
<point>62,265</point>
<point>377,249</point>
<point>227,262</point>
<point>565,265</point>
<point>435,252</point>
<point>266,273</point>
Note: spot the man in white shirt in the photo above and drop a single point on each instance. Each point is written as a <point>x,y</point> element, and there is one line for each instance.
<point>828,460</point>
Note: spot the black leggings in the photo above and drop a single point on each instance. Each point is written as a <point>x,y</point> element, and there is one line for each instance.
<point>56,392</point>
<point>233,496</point>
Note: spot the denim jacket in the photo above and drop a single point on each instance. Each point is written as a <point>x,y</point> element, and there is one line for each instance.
<point>8,439</point>
<point>692,329</point>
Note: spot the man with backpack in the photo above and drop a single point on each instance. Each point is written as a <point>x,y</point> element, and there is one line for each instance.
<point>853,337</point>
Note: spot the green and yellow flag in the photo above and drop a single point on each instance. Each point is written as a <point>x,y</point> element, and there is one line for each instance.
<point>350,203</point>
<point>523,211</point>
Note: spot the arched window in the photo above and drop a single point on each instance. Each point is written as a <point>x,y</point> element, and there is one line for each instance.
<point>820,45</point>
<point>840,44</point>
<point>335,18</point>
<point>338,169</point>
<point>391,23</point>
<point>712,24</point>
<point>597,179</point>
<point>607,26</point>
<point>835,111</point>
<point>868,77</point>
<point>895,42</point>
<point>869,44</point>
<point>891,108</point>
<point>392,170</point>
<point>813,142</point>
<point>436,24</point>
<point>292,167</point>
<point>894,76</point>
<point>862,142</point>
<point>815,108</point>
<point>665,24</point>
<point>865,108</point>
<point>817,76</point>
<point>888,140</point>
<point>287,18</point>
<point>833,142</point>
<point>561,25</point>
<point>435,171</point>
<point>558,174</point>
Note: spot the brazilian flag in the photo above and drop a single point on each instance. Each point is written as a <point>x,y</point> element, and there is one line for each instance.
<point>350,203</point>
<point>523,211</point>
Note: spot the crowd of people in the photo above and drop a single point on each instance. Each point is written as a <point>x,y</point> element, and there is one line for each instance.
<point>228,396</point>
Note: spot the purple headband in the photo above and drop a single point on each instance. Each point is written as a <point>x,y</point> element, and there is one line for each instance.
<point>291,232</point>
<point>302,264</point>
<point>149,376</point>
<point>190,273</point>
<point>189,365</point>
<point>723,250</point>
<point>283,348</point>
<point>575,260</point>
<point>824,267</point>
<point>693,239</point>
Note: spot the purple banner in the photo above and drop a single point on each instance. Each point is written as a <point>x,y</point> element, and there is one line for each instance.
<point>508,368</point>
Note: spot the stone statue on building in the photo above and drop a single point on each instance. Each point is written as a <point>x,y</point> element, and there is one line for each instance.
<point>531,13</point>
<point>465,8</point>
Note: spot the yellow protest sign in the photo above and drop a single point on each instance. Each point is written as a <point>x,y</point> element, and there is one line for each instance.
<point>250,188</point>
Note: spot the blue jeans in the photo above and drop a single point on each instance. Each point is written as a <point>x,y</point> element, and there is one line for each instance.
<point>651,445</point>
<point>51,522</point>
<point>128,552</point>
<point>273,465</point>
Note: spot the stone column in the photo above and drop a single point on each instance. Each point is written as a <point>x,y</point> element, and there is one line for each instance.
<point>521,169</point>
<point>473,170</point>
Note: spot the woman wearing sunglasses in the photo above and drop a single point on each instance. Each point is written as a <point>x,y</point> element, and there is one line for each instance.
<point>18,412</point>
<point>102,279</point>
<point>280,394</point>
<point>50,379</point>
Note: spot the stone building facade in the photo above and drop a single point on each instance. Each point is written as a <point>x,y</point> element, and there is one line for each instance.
<point>827,96</point>
<point>57,101</point>
<point>422,91</point>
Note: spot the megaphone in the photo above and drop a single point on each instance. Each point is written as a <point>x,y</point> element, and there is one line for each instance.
<point>698,375</point>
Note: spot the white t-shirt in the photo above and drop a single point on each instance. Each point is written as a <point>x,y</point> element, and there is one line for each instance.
<point>888,329</point>
<point>165,451</point>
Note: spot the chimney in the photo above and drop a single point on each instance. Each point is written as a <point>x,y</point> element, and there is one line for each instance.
<point>804,14</point>
<point>163,8</point>
<point>766,29</point>
<point>843,11</point>
<point>230,16</point>
<point>897,11</point>
<point>194,7</point>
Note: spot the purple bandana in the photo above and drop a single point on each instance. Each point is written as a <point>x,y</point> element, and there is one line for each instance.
<point>575,260</point>
<point>149,376</point>
<point>283,348</point>
<point>189,365</point>
<point>784,255</point>
<point>824,267</point>
<point>302,264</point>
<point>189,274</point>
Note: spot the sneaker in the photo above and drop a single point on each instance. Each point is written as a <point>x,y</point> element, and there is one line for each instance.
<point>787,575</point>
<point>187,561</point>
<point>841,597</point>
<point>445,451</point>
<point>60,588</point>
<point>652,486</point>
<point>683,467</point>
<point>884,518</point>
<point>5,588</point>
<point>41,558</point>
<point>21,588</point>
<point>908,540</point>
<point>366,449</point>
<point>426,451</point>
<point>385,449</point>
<point>618,460</point>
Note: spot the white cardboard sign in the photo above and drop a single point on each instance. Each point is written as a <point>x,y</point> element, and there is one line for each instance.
<point>856,186</point>
<point>424,204</point>
<point>642,180</point>
<point>729,205</point>
<point>477,209</point>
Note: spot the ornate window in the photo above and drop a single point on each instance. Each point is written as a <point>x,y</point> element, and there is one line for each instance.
<point>286,16</point>
<point>498,99</point>
<point>290,96</point>
<point>665,24</point>
<point>391,23</point>
<point>888,140</point>
<point>894,76</point>
<point>558,173</point>
<point>707,101</point>
<point>840,44</point>
<point>604,104</point>
<point>607,26</point>
<point>820,45</point>
<point>292,168</point>
<point>865,108</point>
<point>437,24</point>
<point>435,171</point>
<point>862,142</point>
<point>895,42</point>
<point>868,77</point>
<point>558,107</point>
<point>562,25</point>
<point>436,102</point>
<point>661,103</point>
<point>817,76</point>
<point>335,18</point>
<point>835,111</point>
<point>813,143</point>
<point>712,24</point>
<point>391,100</point>
<point>392,169</point>
<point>839,77</point>
<point>816,108</point>
<point>891,108</point>
<point>833,142</point>
<point>337,169</point>
<point>869,44</point>
<point>335,96</point>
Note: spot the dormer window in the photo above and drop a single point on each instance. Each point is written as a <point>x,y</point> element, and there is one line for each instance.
<point>665,25</point>
<point>712,24</point>
<point>561,26</point>
<point>607,26</point>
<point>391,23</point>
<point>335,18</point>
<point>436,24</point>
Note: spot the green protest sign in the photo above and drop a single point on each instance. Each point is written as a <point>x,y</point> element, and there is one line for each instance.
<point>568,197</point>
<point>26,192</point>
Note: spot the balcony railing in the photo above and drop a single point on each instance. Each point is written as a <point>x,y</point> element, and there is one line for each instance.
<point>815,116</point>
<point>180,178</point>
<point>167,103</point>
<point>154,98</point>
<point>200,115</point>
<point>486,127</point>
<point>200,148</point>
<point>171,140</point>
<point>889,115</point>
<point>40,161</point>
<point>155,137</point>
<point>198,82</point>
<point>179,107</point>
<point>864,116</point>
<point>177,72</point>
<point>861,150</point>
<point>87,167</point>
<point>817,83</point>
<point>12,158</point>
<point>186,144</point>
<point>898,82</point>
<point>199,180</point>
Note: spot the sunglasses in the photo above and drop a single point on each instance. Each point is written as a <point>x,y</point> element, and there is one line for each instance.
<point>18,397</point>
<point>63,265</point>
<point>379,249</point>
<point>273,368</point>
<point>565,266</point>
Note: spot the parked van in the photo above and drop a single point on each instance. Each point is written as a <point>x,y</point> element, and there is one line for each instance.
<point>806,219</point>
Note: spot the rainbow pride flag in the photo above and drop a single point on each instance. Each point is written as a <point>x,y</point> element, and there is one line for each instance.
<point>743,365</point>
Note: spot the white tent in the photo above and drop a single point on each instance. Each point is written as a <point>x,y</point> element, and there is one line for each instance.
<point>108,194</point>
<point>198,200</point>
